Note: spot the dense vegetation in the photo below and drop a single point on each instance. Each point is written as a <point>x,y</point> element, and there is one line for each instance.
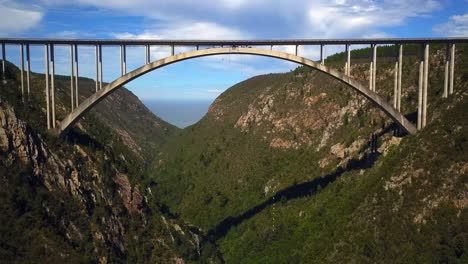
<point>272,203</point>
<point>88,220</point>
<point>284,168</point>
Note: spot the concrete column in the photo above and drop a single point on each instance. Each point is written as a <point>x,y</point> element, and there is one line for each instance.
<point>100,67</point>
<point>52,83</point>
<point>22,70</point>
<point>371,69</point>
<point>322,54</point>
<point>46,59</point>
<point>96,52</point>
<point>198,47</point>
<point>420,87</point>
<point>121,60</point>
<point>395,83</point>
<point>446,76</point>
<point>348,60</point>
<point>72,79</point>
<point>28,70</point>
<point>77,75</point>
<point>3,62</point>
<point>297,48</point>
<point>148,54</point>
<point>452,68</point>
<point>172,50</point>
<point>125,59</point>
<point>374,64</point>
<point>426,79</point>
<point>400,70</point>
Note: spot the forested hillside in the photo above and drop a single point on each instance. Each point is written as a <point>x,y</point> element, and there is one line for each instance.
<point>80,199</point>
<point>299,168</point>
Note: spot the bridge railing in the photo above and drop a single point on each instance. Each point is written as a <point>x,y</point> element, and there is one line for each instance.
<point>49,58</point>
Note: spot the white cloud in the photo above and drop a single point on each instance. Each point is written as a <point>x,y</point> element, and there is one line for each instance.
<point>359,18</point>
<point>457,26</point>
<point>17,18</point>
<point>187,30</point>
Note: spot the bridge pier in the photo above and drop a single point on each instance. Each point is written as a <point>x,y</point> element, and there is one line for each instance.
<point>422,87</point>
<point>397,80</point>
<point>371,68</point>
<point>3,63</point>
<point>46,59</point>
<point>374,66</point>
<point>100,67</point>
<point>22,70</point>
<point>147,54</point>
<point>77,74</point>
<point>123,60</point>
<point>72,79</point>
<point>172,50</point>
<point>452,68</point>
<point>400,70</point>
<point>348,60</point>
<point>52,83</point>
<point>96,54</point>
<point>322,54</point>
<point>28,70</point>
<point>426,79</point>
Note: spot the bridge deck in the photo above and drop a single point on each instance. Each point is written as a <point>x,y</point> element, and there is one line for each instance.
<point>276,42</point>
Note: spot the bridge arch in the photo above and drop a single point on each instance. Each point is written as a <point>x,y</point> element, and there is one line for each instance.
<point>87,104</point>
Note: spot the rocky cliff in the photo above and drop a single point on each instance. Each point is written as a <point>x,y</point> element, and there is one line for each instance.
<point>81,199</point>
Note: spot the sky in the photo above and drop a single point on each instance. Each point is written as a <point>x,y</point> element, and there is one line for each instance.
<point>206,78</point>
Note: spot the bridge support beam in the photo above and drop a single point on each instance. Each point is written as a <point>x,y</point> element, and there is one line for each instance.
<point>452,68</point>
<point>374,66</point>
<point>348,60</point>
<point>426,79</point>
<point>172,50</point>
<point>371,68</point>
<point>46,59</point>
<point>77,74</point>
<point>397,80</point>
<point>147,54</point>
<point>123,60</point>
<point>28,70</point>
<point>100,67</point>
<point>3,63</point>
<point>22,70</point>
<point>96,62</point>
<point>322,54</point>
<point>422,87</point>
<point>400,70</point>
<point>52,83</point>
<point>72,79</point>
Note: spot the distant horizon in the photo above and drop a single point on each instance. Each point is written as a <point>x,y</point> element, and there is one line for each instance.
<point>179,112</point>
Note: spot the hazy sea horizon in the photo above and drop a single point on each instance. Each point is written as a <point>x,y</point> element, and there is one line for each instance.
<point>181,113</point>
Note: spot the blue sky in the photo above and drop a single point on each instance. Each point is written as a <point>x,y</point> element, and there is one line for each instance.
<point>206,78</point>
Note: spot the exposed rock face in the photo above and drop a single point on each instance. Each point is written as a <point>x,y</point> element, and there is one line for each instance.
<point>303,118</point>
<point>76,173</point>
<point>131,196</point>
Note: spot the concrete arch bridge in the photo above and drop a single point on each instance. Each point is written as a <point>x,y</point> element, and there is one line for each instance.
<point>216,47</point>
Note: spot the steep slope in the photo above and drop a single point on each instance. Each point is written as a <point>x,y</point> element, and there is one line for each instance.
<point>126,116</point>
<point>274,140</point>
<point>81,200</point>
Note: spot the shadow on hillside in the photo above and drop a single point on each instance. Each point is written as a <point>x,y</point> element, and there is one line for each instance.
<point>76,136</point>
<point>301,190</point>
